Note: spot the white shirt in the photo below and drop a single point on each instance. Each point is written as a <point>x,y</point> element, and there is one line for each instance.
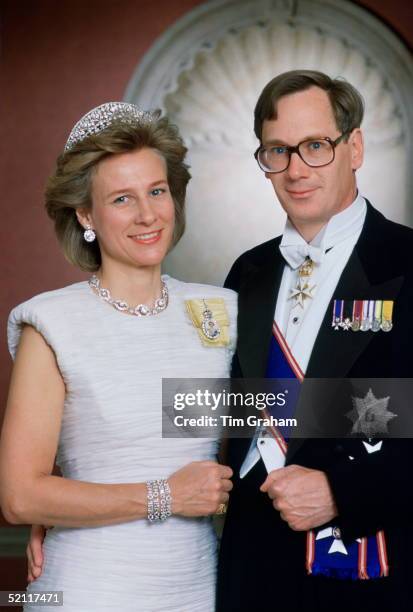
<point>300,326</point>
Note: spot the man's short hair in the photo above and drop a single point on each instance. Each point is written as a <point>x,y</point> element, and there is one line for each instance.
<point>346,102</point>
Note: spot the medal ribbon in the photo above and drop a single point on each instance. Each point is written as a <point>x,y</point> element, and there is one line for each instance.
<point>377,309</point>
<point>387,313</point>
<point>357,310</point>
<point>338,313</point>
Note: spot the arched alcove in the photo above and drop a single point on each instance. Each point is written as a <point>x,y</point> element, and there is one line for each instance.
<point>207,71</point>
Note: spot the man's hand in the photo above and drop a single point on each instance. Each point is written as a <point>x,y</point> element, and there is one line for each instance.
<point>302,496</point>
<point>34,552</point>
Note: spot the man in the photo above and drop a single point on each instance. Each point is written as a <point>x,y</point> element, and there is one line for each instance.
<point>332,526</point>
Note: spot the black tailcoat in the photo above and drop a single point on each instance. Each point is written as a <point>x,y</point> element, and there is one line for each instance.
<point>262,561</point>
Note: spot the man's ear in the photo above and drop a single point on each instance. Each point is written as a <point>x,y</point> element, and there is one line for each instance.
<point>84,217</point>
<point>356,143</point>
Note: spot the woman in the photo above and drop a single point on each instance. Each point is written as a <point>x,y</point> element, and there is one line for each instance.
<point>128,518</point>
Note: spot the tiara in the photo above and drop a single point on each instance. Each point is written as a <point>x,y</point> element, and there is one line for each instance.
<point>101,117</point>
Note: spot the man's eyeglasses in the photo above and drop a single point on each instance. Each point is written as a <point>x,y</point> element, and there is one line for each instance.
<point>315,153</point>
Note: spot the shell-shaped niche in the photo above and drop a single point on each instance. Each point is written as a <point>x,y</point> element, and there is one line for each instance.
<point>215,96</point>
<point>231,206</point>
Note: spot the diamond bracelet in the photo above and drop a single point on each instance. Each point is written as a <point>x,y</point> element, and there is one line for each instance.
<point>159,500</point>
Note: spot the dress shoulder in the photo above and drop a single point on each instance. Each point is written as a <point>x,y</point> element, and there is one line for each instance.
<point>199,290</point>
<point>45,312</point>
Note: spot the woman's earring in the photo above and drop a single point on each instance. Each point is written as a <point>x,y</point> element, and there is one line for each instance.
<point>89,235</point>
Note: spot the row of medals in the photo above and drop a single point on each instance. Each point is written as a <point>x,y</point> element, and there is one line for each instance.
<point>355,325</point>
<point>303,291</point>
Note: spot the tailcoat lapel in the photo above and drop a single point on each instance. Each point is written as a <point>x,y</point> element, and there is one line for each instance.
<point>365,276</point>
<point>256,312</point>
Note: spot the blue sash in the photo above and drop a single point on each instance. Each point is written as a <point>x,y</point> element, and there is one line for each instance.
<point>326,554</point>
<point>280,369</point>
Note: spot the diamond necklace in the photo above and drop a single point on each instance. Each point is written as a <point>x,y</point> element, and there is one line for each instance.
<point>141,310</point>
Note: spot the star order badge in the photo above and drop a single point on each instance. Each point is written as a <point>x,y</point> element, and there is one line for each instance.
<point>370,415</point>
<point>301,292</point>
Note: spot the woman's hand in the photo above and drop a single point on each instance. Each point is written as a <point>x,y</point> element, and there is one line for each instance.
<point>34,552</point>
<point>199,488</point>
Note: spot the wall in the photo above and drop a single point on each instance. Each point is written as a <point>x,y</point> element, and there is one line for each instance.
<point>59,60</point>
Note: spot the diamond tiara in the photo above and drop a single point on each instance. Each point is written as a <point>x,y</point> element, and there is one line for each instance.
<point>101,117</point>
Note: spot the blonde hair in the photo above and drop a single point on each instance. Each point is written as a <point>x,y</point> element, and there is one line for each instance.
<point>69,187</point>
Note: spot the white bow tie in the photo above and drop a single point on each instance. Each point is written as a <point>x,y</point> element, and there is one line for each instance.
<point>295,254</point>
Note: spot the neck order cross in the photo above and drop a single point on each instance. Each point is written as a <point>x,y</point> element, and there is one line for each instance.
<point>302,291</point>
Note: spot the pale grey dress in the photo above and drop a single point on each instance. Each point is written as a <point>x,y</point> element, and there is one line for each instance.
<point>112,365</point>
